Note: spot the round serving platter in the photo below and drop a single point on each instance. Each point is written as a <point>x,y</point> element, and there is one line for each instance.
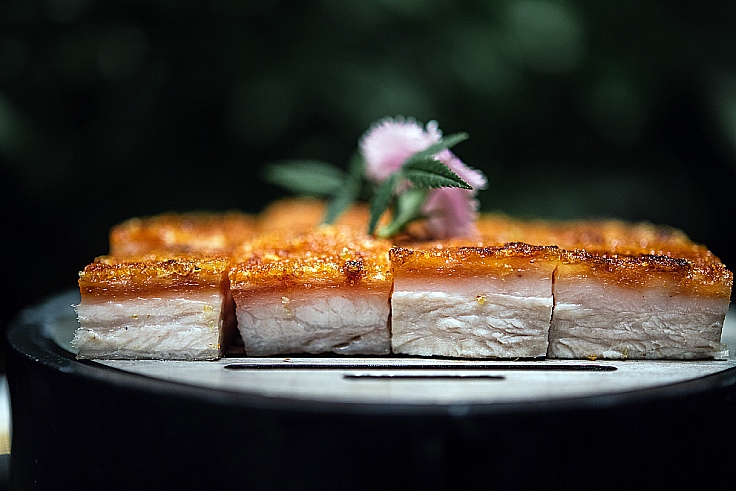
<point>310,422</point>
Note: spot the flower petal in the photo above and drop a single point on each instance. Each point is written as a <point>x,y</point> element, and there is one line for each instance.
<point>388,143</point>
<point>451,212</point>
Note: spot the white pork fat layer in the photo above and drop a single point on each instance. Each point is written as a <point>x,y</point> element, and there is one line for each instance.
<point>485,316</point>
<point>314,322</point>
<point>596,320</point>
<point>165,327</point>
<point>481,325</point>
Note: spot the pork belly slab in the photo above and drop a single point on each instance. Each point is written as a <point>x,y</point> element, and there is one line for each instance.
<point>219,232</point>
<point>319,292</point>
<point>155,306</point>
<point>628,290</point>
<point>594,289</point>
<point>305,214</point>
<point>174,284</point>
<point>640,306</point>
<point>472,302</point>
<point>196,231</point>
<point>608,236</point>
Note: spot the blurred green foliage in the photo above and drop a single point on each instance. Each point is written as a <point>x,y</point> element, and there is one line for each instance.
<point>116,108</point>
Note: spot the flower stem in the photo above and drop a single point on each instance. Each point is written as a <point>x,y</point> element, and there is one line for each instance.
<point>407,209</point>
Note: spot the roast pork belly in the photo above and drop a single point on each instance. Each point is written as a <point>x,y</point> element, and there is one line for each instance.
<point>627,290</point>
<point>324,291</point>
<point>174,285</point>
<point>305,214</point>
<point>155,306</point>
<point>606,288</point>
<point>640,306</point>
<point>220,232</point>
<point>473,301</point>
<point>605,236</point>
<point>196,231</point>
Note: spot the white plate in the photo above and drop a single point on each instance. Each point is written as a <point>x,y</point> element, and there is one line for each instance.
<point>405,380</point>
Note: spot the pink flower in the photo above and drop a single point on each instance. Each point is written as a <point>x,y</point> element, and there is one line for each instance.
<point>386,146</point>
<point>388,143</point>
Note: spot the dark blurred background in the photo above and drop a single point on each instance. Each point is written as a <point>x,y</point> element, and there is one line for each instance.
<point>118,108</point>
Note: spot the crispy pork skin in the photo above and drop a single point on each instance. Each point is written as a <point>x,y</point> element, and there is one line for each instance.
<point>304,214</point>
<point>156,306</point>
<point>607,235</point>
<point>199,232</point>
<point>319,292</point>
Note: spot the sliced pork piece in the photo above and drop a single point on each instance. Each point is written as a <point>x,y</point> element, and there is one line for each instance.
<point>319,292</point>
<point>606,236</point>
<point>640,306</point>
<point>157,306</point>
<point>200,232</point>
<point>472,302</point>
<point>627,290</point>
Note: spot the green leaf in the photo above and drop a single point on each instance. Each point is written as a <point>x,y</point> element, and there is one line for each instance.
<point>443,144</point>
<point>382,199</point>
<point>310,177</point>
<point>348,191</point>
<point>431,173</point>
